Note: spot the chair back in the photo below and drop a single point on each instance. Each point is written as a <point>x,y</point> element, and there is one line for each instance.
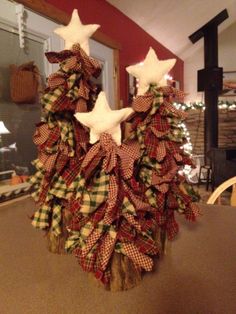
<point>220,189</point>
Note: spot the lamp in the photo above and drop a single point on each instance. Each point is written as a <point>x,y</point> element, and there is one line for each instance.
<point>3,129</point>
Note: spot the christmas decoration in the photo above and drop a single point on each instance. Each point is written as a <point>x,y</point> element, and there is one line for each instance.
<point>102,119</point>
<point>61,140</point>
<point>151,71</point>
<point>76,33</point>
<point>112,200</point>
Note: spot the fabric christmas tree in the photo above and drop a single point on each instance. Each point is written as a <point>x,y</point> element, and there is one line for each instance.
<point>156,125</point>
<point>61,140</point>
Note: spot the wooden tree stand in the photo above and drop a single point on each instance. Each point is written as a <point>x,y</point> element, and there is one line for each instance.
<point>56,243</point>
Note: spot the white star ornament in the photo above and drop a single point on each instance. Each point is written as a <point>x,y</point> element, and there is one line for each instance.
<point>103,120</point>
<point>151,71</point>
<point>76,33</point>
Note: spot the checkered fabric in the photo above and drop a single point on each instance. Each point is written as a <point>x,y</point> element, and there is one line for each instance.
<point>138,258</point>
<point>89,65</point>
<point>112,200</point>
<point>127,207</point>
<point>143,103</point>
<point>96,195</point>
<point>91,241</point>
<point>72,241</point>
<point>41,218</point>
<point>77,185</point>
<point>58,187</point>
<point>106,249</point>
<point>56,219</point>
<point>147,245</point>
<point>130,218</point>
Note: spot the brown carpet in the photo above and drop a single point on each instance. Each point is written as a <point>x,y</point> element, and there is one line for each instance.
<point>198,276</point>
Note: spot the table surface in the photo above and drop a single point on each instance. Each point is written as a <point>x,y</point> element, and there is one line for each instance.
<point>197,276</point>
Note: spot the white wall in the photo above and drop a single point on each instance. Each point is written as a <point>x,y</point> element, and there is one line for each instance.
<point>195,62</point>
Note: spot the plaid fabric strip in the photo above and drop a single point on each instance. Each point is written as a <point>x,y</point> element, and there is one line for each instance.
<point>138,258</point>
<point>91,241</point>
<point>112,199</point>
<point>50,97</point>
<point>146,245</point>
<point>59,188</point>
<point>56,219</point>
<point>41,217</point>
<point>96,195</point>
<point>72,241</point>
<point>41,134</point>
<point>160,123</point>
<point>53,137</point>
<point>47,160</point>
<point>167,109</point>
<point>106,249</point>
<point>127,207</point>
<point>130,218</point>
<point>176,94</point>
<point>136,200</point>
<point>192,212</point>
<point>86,230</point>
<point>78,186</point>
<point>172,227</point>
<point>110,161</point>
<point>143,103</point>
<point>71,172</point>
<point>151,196</point>
<point>128,154</point>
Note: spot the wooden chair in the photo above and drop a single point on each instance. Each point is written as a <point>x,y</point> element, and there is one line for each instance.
<point>220,189</point>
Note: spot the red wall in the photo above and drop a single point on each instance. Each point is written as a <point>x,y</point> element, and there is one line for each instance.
<point>135,42</point>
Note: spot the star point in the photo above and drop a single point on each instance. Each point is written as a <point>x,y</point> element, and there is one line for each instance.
<point>75,32</point>
<point>151,71</point>
<point>102,119</point>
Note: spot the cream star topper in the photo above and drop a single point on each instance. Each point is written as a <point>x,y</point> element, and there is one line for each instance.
<point>103,120</point>
<point>76,33</point>
<point>151,71</point>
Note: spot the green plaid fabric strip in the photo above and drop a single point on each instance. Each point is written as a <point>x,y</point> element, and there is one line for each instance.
<point>96,195</point>
<point>72,241</point>
<point>41,217</point>
<point>128,207</point>
<point>67,133</point>
<point>148,162</point>
<point>151,196</point>
<point>78,186</point>
<point>59,188</point>
<point>56,219</point>
<point>49,98</point>
<point>86,230</point>
<point>145,175</point>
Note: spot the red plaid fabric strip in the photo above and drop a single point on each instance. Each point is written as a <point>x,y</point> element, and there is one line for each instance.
<point>132,221</point>
<point>172,227</point>
<point>192,212</point>
<point>128,154</point>
<point>160,123</point>
<point>136,200</point>
<point>53,137</point>
<point>138,258</point>
<point>112,200</point>
<point>146,245</point>
<point>143,103</point>
<point>83,90</point>
<point>106,250</point>
<point>176,94</point>
<point>160,151</point>
<point>41,134</point>
<point>151,142</point>
<point>56,79</point>
<point>47,160</point>
<point>110,161</point>
<point>90,242</point>
<point>167,109</point>
<point>71,172</point>
<point>81,105</point>
<point>98,215</point>
<point>171,201</point>
<point>126,232</point>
